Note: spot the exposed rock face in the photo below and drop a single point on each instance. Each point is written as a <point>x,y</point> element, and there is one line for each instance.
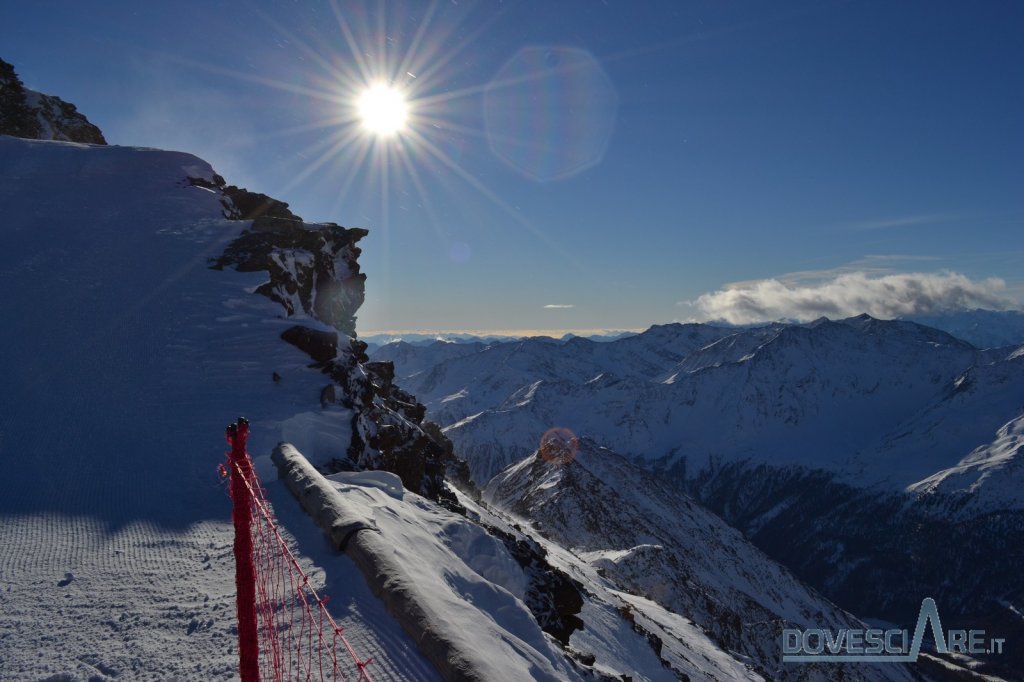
<point>241,204</point>
<point>319,345</point>
<point>313,270</point>
<point>33,115</point>
<point>389,429</point>
<point>553,598</point>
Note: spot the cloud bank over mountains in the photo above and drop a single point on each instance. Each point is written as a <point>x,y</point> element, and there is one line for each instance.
<point>852,293</point>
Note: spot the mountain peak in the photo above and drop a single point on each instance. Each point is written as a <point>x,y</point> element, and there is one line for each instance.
<point>35,116</point>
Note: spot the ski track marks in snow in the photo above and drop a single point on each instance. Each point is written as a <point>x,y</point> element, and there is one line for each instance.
<point>78,602</point>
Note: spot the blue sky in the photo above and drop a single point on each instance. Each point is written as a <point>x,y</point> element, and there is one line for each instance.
<point>628,162</point>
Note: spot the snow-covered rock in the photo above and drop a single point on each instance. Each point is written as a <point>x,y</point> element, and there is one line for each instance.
<point>30,114</point>
<point>477,590</point>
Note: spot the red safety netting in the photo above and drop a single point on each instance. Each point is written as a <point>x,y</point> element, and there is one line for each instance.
<point>297,637</point>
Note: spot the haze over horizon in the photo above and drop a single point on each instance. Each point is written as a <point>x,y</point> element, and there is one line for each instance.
<point>579,166</point>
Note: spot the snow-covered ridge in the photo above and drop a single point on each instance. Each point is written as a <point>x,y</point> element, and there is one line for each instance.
<point>451,585</point>
<point>642,533</point>
<point>460,584</point>
<point>33,115</point>
<point>838,396</point>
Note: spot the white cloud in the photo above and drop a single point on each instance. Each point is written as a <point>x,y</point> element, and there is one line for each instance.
<point>906,221</point>
<point>559,306</point>
<point>872,265</point>
<point>896,257</point>
<point>852,293</point>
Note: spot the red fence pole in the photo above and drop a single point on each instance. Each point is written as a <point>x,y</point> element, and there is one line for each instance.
<point>245,570</point>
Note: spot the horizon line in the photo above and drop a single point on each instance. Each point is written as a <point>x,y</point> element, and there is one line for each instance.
<point>554,333</point>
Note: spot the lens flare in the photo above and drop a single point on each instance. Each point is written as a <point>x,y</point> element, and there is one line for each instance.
<point>558,445</point>
<point>383,110</point>
<point>460,252</point>
<point>550,112</point>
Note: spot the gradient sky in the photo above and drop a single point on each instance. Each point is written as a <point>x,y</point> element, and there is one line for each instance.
<point>588,164</point>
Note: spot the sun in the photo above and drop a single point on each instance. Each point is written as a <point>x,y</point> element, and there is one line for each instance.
<point>383,110</point>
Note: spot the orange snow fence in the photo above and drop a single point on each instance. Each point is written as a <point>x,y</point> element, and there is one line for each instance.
<point>285,632</point>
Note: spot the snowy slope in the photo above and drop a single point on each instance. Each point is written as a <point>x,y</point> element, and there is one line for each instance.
<point>467,580</point>
<point>640,532</point>
<point>123,356</point>
<point>981,328</point>
<point>972,418</point>
<point>471,587</point>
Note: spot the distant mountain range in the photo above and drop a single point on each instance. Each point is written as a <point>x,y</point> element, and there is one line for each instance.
<point>980,328</point>
<point>880,460</point>
<point>375,341</point>
<point>631,528</point>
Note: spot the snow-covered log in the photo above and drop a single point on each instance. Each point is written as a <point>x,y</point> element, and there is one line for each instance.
<point>354,532</point>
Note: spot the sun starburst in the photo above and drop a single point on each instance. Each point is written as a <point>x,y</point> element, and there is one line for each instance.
<point>383,110</point>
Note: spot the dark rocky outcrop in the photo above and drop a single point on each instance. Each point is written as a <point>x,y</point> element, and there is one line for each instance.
<point>320,345</point>
<point>241,204</point>
<point>554,599</point>
<point>33,115</point>
<point>390,432</point>
<point>312,267</point>
<point>313,270</point>
<point>16,118</point>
